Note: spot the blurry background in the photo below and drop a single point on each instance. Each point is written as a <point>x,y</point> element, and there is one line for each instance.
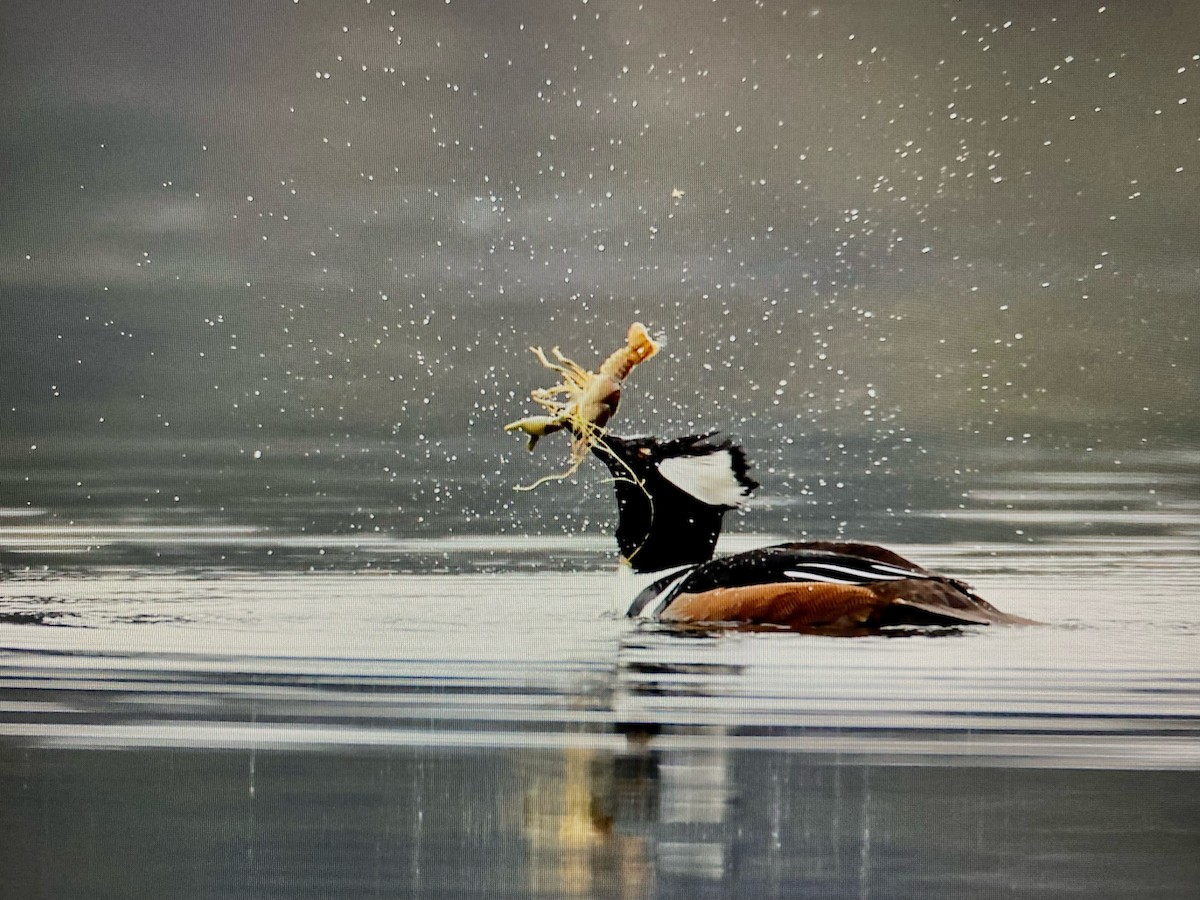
<point>284,259</point>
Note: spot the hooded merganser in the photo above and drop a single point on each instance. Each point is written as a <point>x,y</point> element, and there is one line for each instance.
<point>672,496</point>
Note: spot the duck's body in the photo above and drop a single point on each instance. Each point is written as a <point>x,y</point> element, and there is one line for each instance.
<point>820,585</point>
<point>672,497</point>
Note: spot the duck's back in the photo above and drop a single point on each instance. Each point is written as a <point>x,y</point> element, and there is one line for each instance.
<point>819,585</point>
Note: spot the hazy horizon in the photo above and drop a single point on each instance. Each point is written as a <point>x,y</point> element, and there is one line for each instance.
<point>348,222</point>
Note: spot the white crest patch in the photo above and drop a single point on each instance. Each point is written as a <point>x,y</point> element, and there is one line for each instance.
<point>709,478</point>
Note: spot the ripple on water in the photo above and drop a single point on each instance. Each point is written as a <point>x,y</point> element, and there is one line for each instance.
<point>213,657</point>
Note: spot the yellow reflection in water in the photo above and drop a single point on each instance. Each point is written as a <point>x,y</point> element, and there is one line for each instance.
<point>574,849</point>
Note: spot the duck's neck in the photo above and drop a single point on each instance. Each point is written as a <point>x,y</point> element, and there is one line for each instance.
<point>673,495</point>
<point>660,526</point>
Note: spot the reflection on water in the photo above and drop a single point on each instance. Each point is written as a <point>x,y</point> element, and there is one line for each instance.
<point>634,822</point>
<point>219,710</point>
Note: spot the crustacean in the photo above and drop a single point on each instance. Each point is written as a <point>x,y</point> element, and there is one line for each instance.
<point>582,402</point>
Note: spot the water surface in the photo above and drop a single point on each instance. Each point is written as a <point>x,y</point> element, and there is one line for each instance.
<point>220,709</point>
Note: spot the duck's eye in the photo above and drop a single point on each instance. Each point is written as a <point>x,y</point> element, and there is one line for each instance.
<point>644,451</point>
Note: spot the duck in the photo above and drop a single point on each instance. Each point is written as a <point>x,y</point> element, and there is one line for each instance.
<point>672,497</point>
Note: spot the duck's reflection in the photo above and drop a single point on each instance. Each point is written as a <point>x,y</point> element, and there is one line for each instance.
<point>688,794</point>
<point>569,822</point>
<point>612,824</point>
<point>677,802</point>
<point>693,791</point>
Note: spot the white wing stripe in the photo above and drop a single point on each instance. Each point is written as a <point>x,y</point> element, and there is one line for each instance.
<point>871,572</point>
<point>823,577</point>
<point>888,567</point>
<point>829,572</point>
<point>652,607</point>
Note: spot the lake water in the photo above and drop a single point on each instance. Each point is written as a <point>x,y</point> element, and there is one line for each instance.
<point>226,703</point>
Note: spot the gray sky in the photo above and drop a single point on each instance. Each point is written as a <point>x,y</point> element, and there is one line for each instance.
<point>317,218</point>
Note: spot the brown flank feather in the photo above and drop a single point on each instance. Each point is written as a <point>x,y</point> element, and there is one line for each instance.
<point>798,605</point>
<point>838,606</point>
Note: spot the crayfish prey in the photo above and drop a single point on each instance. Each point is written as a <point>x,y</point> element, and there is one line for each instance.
<point>582,402</point>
